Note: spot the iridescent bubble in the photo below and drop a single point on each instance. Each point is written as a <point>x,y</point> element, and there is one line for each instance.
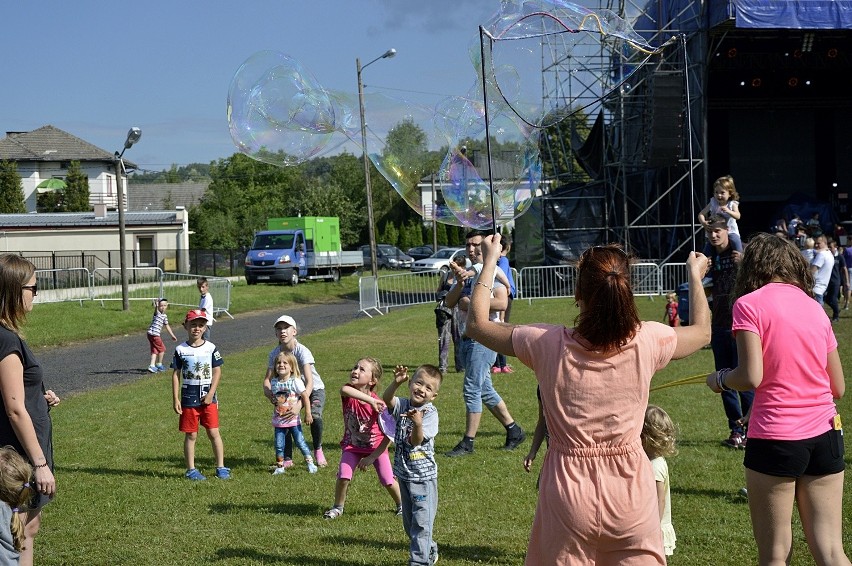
<point>280,114</point>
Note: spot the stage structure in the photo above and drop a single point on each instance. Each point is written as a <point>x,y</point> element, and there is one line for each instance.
<point>748,89</point>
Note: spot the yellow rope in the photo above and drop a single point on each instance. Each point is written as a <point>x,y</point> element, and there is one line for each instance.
<point>691,380</point>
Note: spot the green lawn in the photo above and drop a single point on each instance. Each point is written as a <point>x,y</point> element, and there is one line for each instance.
<point>122,498</point>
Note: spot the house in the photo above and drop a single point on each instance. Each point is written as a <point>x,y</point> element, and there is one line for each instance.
<point>45,153</point>
<point>155,238</point>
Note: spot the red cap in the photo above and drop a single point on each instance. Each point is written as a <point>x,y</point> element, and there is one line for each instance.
<point>195,313</point>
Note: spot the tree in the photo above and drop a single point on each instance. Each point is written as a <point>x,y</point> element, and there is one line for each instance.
<point>76,194</point>
<point>559,161</point>
<point>11,189</point>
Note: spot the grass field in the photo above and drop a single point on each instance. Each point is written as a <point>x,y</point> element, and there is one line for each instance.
<point>122,498</point>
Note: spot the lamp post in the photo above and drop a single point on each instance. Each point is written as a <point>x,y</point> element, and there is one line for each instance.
<point>132,137</point>
<point>371,227</point>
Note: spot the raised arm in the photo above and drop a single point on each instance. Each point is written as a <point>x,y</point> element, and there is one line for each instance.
<point>692,338</point>
<point>496,336</point>
<point>400,376</point>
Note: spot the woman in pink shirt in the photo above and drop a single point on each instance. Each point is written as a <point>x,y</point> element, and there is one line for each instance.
<point>788,355</point>
<point>597,499</point>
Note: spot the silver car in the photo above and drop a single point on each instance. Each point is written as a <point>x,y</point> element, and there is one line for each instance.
<point>440,260</point>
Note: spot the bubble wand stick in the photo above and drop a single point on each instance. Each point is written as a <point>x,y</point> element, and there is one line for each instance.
<point>482,35</point>
<point>691,380</point>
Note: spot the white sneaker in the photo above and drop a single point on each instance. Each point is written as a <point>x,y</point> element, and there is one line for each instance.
<point>278,471</point>
<point>312,468</point>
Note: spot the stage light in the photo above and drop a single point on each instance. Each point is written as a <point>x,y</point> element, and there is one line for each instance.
<point>797,54</point>
<point>756,82</point>
<point>832,53</point>
<point>742,83</point>
<point>807,42</point>
<point>808,83</point>
<point>732,52</point>
<point>793,82</point>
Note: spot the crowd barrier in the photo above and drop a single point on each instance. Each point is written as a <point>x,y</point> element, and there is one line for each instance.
<point>143,284</point>
<point>550,282</point>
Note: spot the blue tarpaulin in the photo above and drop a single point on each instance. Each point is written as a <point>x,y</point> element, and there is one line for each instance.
<point>800,14</point>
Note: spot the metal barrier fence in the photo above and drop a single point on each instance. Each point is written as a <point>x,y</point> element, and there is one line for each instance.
<point>550,282</point>
<point>144,284</point>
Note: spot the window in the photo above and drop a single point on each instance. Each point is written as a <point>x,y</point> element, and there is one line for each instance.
<point>146,255</point>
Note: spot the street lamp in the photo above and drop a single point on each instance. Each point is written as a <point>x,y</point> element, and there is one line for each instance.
<point>132,137</point>
<point>371,228</point>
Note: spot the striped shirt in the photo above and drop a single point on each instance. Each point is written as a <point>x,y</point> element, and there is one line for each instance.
<point>160,319</point>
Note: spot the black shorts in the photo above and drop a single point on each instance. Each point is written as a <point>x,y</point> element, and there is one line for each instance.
<point>817,456</point>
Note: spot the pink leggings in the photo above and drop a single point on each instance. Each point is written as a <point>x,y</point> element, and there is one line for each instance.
<point>349,461</point>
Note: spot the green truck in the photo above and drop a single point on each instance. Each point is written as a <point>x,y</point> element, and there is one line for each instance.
<point>299,249</point>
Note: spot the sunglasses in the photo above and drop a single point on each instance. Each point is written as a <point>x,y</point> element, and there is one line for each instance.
<point>33,288</point>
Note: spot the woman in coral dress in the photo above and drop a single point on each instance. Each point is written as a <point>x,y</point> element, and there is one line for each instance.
<point>597,500</point>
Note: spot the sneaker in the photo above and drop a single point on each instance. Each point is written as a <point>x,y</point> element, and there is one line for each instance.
<point>333,513</point>
<point>508,369</point>
<point>278,470</point>
<point>461,449</point>
<point>312,468</point>
<point>194,475</point>
<point>515,440</point>
<point>734,441</point>
<point>433,556</point>
<point>161,367</point>
<point>287,464</point>
<point>399,510</point>
<point>152,369</point>
<point>223,473</point>
<point>496,369</point>
<point>320,458</point>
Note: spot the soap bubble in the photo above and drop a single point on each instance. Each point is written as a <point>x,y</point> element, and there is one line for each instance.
<point>540,54</point>
<point>280,114</point>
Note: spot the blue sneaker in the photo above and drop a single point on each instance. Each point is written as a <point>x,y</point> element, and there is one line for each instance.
<point>223,473</point>
<point>194,475</point>
<point>152,369</point>
<point>161,367</point>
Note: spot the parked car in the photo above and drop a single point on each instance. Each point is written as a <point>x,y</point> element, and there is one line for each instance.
<point>420,252</point>
<point>439,260</point>
<point>387,257</point>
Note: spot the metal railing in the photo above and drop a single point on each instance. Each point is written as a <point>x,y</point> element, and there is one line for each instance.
<point>550,282</point>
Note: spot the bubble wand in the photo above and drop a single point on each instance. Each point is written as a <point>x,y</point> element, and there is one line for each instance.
<point>482,35</point>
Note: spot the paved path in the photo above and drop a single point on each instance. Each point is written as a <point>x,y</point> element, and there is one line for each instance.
<point>106,362</point>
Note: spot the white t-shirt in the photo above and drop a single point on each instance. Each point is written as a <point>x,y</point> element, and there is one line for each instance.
<point>824,262</point>
<point>206,304</point>
<point>303,356</point>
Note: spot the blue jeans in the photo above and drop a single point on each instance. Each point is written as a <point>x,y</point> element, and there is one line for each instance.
<point>477,387</point>
<point>317,406</point>
<point>298,439</point>
<point>419,507</point>
<point>736,403</point>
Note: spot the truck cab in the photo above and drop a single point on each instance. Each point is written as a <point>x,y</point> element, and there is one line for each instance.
<point>298,249</point>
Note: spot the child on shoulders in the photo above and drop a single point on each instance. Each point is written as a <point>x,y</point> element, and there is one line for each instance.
<point>725,203</point>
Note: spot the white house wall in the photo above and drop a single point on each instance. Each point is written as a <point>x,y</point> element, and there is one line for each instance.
<point>102,186</point>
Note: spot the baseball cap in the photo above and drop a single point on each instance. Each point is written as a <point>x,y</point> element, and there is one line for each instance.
<point>288,320</point>
<point>195,313</point>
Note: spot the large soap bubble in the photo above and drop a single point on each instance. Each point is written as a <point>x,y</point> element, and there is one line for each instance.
<point>280,114</point>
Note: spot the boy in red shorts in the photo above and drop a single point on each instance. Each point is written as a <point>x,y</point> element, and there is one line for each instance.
<point>197,370</point>
<point>158,322</point>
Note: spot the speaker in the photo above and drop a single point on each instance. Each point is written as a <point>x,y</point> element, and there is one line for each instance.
<point>664,120</point>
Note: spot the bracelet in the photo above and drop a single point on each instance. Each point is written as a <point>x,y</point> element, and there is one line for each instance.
<point>490,289</point>
<point>720,379</point>
<point>41,465</point>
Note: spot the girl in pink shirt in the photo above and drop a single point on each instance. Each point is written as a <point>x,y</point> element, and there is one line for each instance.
<point>788,354</point>
<point>597,499</point>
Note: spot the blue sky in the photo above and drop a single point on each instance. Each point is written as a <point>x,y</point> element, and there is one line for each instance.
<point>95,68</point>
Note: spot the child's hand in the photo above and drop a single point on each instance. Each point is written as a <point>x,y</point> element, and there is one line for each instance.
<point>529,460</point>
<point>309,418</point>
<point>400,374</point>
<point>365,463</point>
<point>415,416</point>
<point>378,405</point>
<point>178,409</point>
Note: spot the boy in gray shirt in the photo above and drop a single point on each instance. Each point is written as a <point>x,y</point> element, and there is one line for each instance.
<point>414,457</point>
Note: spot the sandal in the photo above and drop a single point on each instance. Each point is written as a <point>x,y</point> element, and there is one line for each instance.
<point>333,513</point>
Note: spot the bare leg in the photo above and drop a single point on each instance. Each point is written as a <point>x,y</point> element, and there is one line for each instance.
<point>770,500</point>
<point>31,526</point>
<point>472,420</point>
<point>340,490</point>
<point>501,413</point>
<point>218,449</point>
<point>820,501</point>
<point>393,489</point>
<point>189,449</point>
<point>153,359</point>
